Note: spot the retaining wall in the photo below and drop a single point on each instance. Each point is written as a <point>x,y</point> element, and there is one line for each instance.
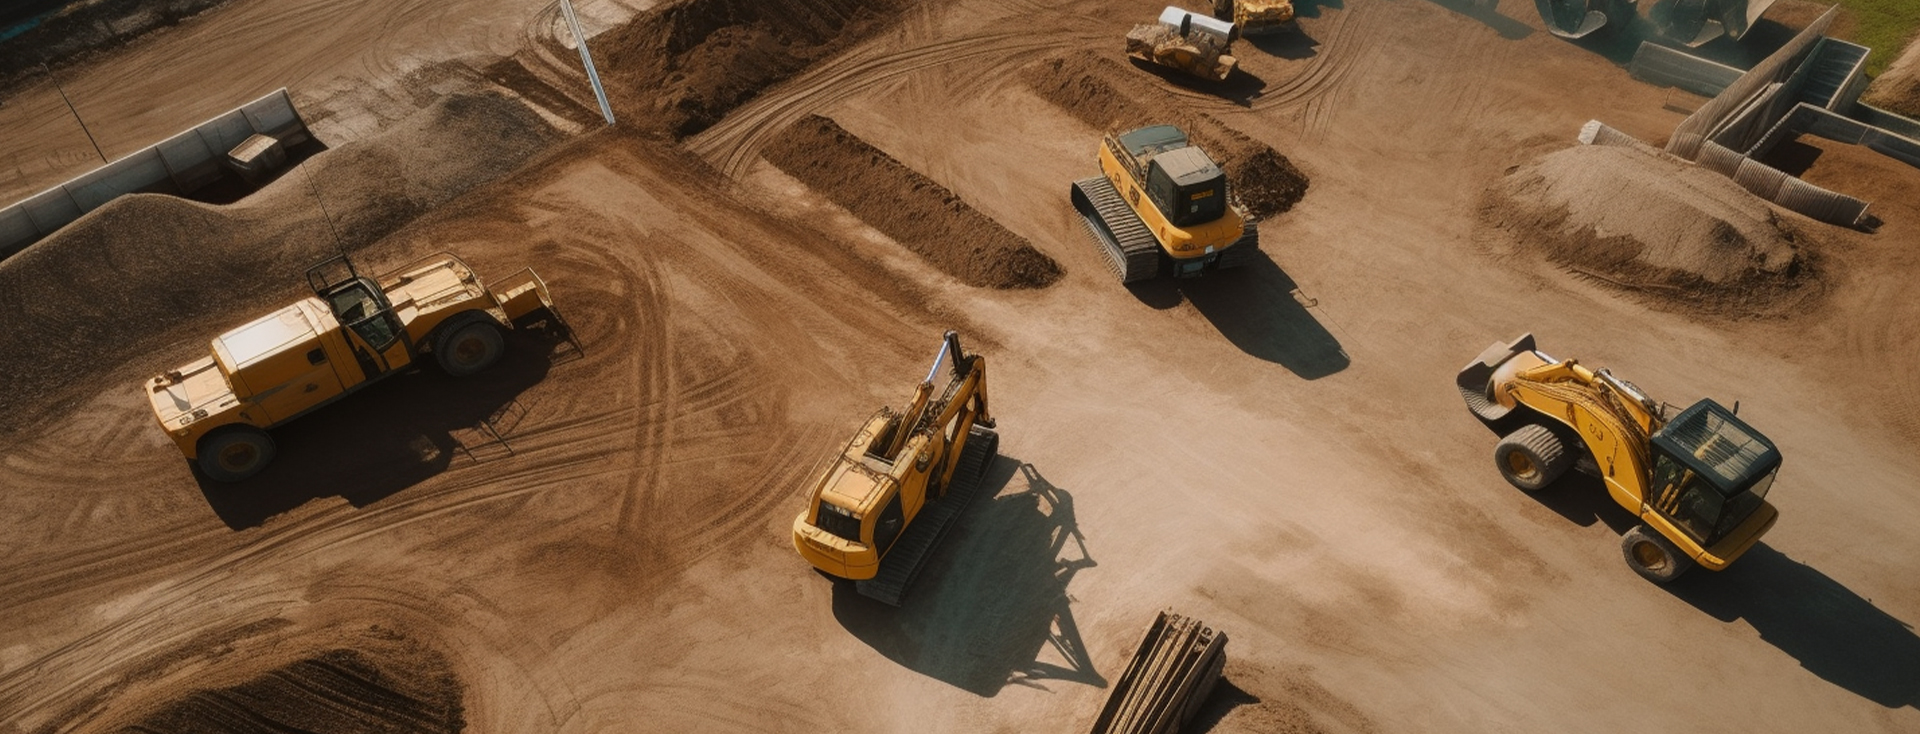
<point>1671,68</point>
<point>178,165</point>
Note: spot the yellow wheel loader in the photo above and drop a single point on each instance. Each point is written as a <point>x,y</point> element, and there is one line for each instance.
<point>353,331</point>
<point>1162,203</point>
<point>891,493</point>
<point>1195,44</point>
<point>1256,17</point>
<point>1697,480</point>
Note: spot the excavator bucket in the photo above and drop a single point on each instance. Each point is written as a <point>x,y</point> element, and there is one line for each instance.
<point>1581,18</point>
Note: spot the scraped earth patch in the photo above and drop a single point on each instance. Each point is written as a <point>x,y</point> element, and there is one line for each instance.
<point>1086,86</point>
<point>336,691</point>
<point>914,210</point>
<point>685,66</point>
<point>1656,226</point>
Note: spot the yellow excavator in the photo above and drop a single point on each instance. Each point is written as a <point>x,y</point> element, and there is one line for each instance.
<point>1162,203</point>
<point>1697,480</point>
<point>353,331</point>
<point>890,494</point>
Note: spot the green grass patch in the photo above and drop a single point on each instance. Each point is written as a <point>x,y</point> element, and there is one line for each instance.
<point>1885,26</point>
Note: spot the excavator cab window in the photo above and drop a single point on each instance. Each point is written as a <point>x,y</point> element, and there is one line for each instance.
<point>887,528</point>
<point>1710,470</point>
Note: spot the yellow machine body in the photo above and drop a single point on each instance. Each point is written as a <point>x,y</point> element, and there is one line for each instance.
<point>282,365</point>
<point>1615,422</point>
<point>898,463</point>
<point>1127,173</point>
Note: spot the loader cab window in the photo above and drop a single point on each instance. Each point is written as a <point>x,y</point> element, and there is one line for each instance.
<point>358,305</point>
<point>1710,471</point>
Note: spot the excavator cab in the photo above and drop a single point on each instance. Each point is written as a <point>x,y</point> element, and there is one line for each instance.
<point>1711,471</point>
<point>360,305</point>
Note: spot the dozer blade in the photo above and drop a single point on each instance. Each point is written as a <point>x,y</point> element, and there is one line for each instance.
<point>1129,248</point>
<point>910,553</point>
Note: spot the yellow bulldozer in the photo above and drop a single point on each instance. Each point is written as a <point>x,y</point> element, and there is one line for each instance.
<point>1697,479</point>
<point>353,331</point>
<point>1162,203</point>
<point>1195,44</point>
<point>1256,17</point>
<point>890,494</point>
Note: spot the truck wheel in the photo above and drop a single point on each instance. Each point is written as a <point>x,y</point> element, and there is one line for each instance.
<point>1532,457</point>
<point>470,347</point>
<point>234,453</point>
<point>1653,556</point>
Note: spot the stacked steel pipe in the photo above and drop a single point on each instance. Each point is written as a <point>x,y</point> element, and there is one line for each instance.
<point>1171,673</point>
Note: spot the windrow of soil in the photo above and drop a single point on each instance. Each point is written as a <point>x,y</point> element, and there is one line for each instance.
<point>686,65</point>
<point>1086,85</point>
<point>914,210</point>
<point>128,278</point>
<point>1659,227</point>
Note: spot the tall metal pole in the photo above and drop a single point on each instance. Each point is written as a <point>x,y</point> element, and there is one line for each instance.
<point>76,113</point>
<point>599,93</point>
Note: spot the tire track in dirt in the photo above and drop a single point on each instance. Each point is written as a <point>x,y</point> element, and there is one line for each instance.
<point>733,143</point>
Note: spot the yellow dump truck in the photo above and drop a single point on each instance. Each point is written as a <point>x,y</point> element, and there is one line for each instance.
<point>353,331</point>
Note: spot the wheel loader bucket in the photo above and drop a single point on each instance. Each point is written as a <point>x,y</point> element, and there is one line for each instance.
<point>524,293</point>
<point>1475,380</point>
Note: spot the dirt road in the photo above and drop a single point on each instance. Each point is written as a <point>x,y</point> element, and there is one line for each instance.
<point>1278,450</point>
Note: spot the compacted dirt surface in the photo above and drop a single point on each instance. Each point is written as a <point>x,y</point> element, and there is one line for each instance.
<point>597,537</point>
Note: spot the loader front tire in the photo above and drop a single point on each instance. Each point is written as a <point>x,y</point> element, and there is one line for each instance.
<point>1653,556</point>
<point>1532,457</point>
<point>234,453</point>
<point>470,347</point>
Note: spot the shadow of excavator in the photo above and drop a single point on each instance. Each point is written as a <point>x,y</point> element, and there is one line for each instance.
<point>1832,631</point>
<point>991,608</point>
<point>1259,309</point>
<point>389,436</point>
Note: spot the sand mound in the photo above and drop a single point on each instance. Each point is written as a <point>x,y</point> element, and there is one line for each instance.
<point>1898,89</point>
<point>1656,225</point>
<point>342,690</point>
<point>145,269</point>
<point>1085,86</point>
<point>687,65</point>
<point>911,208</point>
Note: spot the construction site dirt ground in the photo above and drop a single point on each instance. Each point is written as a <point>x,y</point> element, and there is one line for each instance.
<point>1279,451</point>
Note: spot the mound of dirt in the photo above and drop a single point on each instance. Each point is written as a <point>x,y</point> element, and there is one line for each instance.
<point>685,66</point>
<point>118,283</point>
<point>1085,85</point>
<point>909,207</point>
<point>1898,89</point>
<point>1658,226</point>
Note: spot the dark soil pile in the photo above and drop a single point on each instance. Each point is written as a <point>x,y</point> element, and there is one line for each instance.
<point>685,66</point>
<point>909,207</point>
<point>1657,226</point>
<point>1085,86</point>
<point>115,285</point>
<point>340,691</point>
<point>73,32</point>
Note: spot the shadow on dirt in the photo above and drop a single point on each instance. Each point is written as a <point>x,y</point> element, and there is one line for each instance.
<point>1222,701</point>
<point>1259,309</point>
<point>1292,45</point>
<point>1488,12</point>
<point>390,436</point>
<point>1241,87</point>
<point>993,600</point>
<point>1834,633</point>
<point>1312,8</point>
<point>1582,498</point>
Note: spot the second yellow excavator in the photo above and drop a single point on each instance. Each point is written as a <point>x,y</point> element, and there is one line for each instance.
<point>891,493</point>
<point>1162,202</point>
<point>1697,480</point>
